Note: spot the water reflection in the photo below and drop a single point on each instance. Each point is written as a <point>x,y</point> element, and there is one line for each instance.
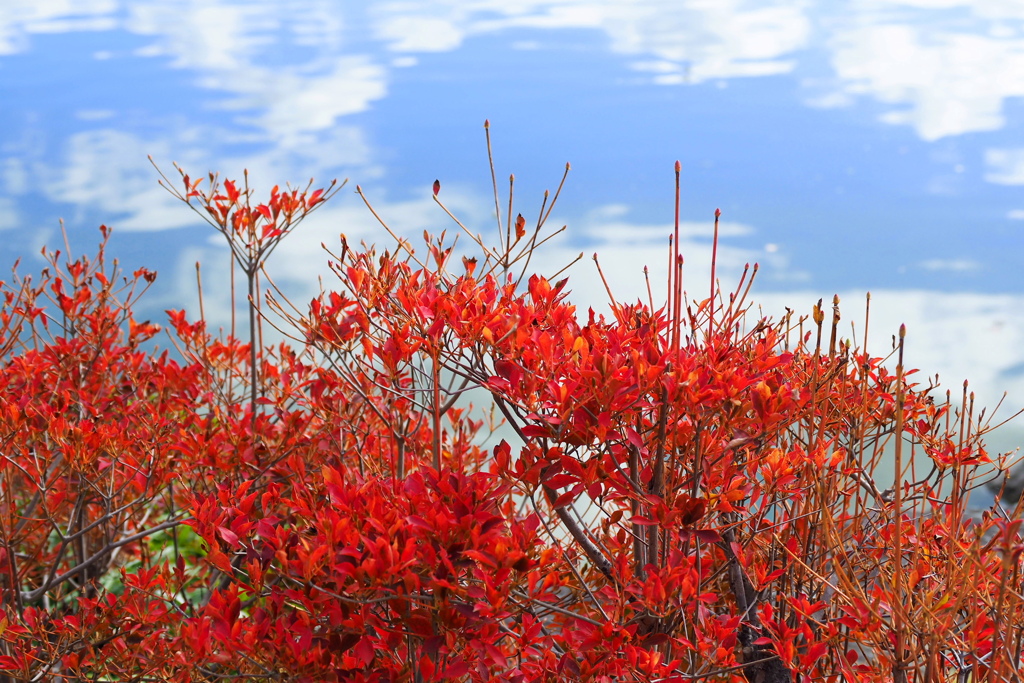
<point>873,145</point>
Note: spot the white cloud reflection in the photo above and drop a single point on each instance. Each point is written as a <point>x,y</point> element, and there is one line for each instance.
<point>941,77</point>
<point>108,172</point>
<point>693,41</point>
<point>294,105</point>
<point>227,44</point>
<point>8,214</point>
<point>1005,166</point>
<point>950,265</point>
<point>20,19</point>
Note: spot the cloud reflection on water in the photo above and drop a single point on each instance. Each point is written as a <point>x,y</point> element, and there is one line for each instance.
<point>946,66</point>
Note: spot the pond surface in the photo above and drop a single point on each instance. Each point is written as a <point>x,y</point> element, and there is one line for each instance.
<point>872,146</point>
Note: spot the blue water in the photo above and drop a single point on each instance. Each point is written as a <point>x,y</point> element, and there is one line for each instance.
<point>877,148</point>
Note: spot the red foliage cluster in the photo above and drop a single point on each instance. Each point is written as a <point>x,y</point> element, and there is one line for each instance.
<point>689,495</point>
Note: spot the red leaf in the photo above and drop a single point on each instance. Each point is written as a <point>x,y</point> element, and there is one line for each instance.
<point>456,669</point>
<point>232,191</point>
<point>708,535</point>
<point>219,560</point>
<point>642,521</point>
<point>364,651</point>
<point>536,431</point>
<point>568,497</point>
<point>229,536</point>
<point>635,439</point>
<point>814,653</point>
<point>426,668</point>
<point>508,370</point>
<point>691,510</point>
<point>496,656</point>
<point>557,481</point>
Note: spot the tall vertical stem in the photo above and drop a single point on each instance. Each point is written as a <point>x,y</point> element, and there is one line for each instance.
<point>714,265</point>
<point>674,274</point>
<point>250,274</point>
<point>436,409</point>
<point>899,672</point>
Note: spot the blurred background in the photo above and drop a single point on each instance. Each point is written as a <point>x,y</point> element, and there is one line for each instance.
<point>852,147</point>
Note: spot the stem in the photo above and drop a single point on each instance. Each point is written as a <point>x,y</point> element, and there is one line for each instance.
<point>657,487</point>
<point>494,178</point>
<point>592,552</point>
<point>714,264</point>
<point>899,673</point>
<point>436,410</point>
<point>639,551</point>
<point>760,664</point>
<point>674,273</point>
<point>250,275</point>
